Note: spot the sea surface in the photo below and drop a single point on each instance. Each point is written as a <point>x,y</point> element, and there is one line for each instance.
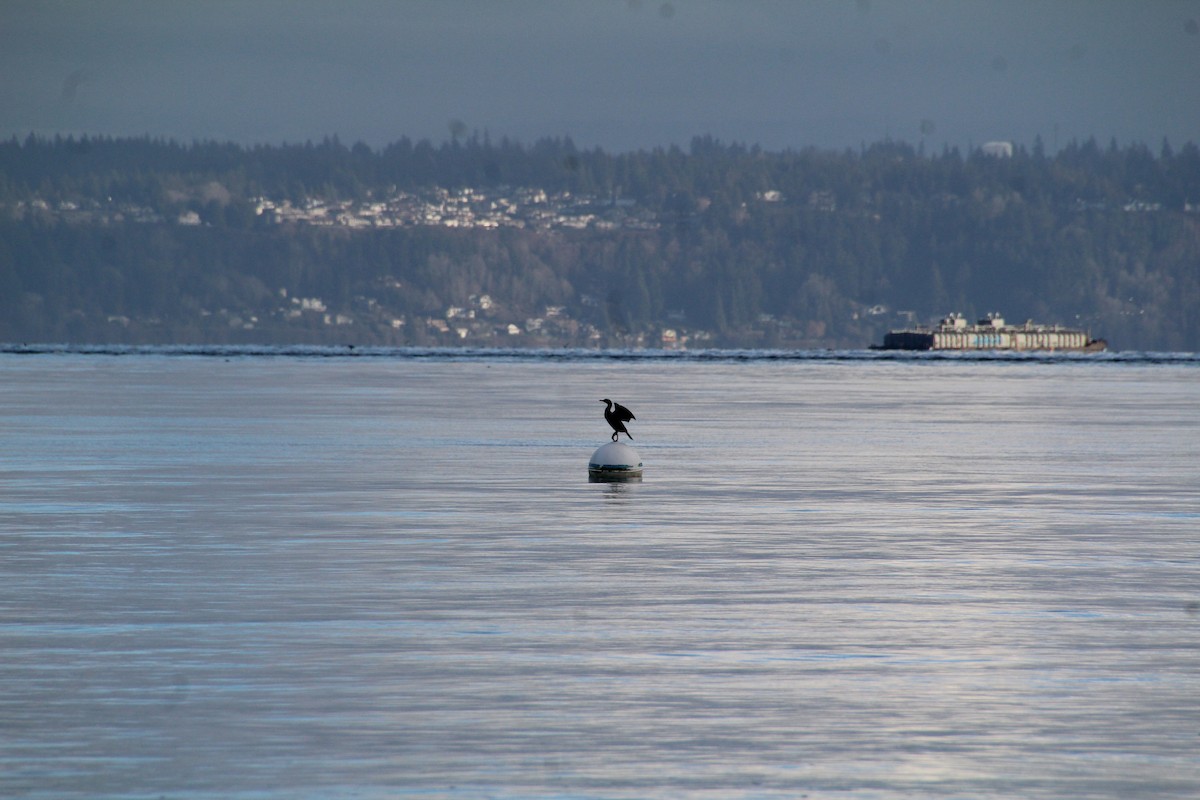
<point>269,574</point>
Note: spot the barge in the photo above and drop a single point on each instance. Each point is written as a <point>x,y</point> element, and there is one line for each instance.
<point>991,333</point>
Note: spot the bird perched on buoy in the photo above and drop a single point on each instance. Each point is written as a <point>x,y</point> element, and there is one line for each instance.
<point>617,415</point>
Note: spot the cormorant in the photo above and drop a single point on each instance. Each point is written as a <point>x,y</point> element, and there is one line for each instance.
<point>617,415</point>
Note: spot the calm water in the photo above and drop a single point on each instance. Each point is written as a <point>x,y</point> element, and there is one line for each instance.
<point>264,577</point>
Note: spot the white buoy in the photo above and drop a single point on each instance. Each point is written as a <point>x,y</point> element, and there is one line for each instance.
<point>615,461</point>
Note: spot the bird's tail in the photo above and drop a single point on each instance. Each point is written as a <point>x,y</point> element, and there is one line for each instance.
<point>630,435</point>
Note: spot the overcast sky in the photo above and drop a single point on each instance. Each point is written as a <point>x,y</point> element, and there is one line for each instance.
<point>619,74</point>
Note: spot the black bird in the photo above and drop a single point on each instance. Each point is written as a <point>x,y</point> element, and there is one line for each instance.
<point>617,415</point>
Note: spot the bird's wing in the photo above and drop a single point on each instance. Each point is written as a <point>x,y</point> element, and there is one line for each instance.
<point>623,413</point>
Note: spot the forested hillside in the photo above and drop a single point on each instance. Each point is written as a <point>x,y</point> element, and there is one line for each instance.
<point>496,243</point>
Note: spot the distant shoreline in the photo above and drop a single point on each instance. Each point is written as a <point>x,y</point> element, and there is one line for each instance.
<point>318,352</point>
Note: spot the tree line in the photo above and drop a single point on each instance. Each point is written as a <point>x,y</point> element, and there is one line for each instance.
<point>806,248</point>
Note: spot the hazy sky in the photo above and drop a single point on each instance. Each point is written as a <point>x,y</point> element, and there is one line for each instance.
<point>620,74</point>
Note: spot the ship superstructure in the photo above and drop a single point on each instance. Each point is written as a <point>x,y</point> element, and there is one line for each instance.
<point>990,333</point>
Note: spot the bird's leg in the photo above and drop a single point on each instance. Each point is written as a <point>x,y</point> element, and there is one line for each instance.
<point>615,434</point>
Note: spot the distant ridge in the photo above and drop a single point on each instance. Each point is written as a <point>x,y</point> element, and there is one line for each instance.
<point>482,244</point>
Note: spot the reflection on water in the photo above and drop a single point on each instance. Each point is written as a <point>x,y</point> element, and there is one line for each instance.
<point>279,578</point>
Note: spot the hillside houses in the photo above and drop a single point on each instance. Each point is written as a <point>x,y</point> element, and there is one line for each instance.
<point>480,321</point>
<point>466,208</point>
<point>462,208</point>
